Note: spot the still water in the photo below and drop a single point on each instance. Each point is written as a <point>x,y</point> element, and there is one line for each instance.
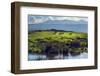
<point>44,57</point>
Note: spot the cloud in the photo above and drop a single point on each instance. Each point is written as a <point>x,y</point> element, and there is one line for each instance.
<point>68,18</point>
<point>37,21</point>
<point>41,19</point>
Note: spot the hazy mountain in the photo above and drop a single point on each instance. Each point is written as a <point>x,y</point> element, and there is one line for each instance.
<point>67,25</point>
<point>65,22</point>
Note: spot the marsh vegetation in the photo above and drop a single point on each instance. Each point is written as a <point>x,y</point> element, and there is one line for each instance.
<point>56,44</point>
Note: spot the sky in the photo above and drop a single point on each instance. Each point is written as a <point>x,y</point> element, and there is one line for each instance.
<point>32,19</point>
<point>67,23</point>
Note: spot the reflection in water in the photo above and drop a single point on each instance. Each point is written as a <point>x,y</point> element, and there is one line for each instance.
<point>44,57</point>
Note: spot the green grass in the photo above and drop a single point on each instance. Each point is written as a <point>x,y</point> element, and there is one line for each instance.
<point>60,36</point>
<point>54,37</point>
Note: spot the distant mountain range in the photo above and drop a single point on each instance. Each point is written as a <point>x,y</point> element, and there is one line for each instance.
<point>52,30</point>
<point>64,22</point>
<point>66,25</point>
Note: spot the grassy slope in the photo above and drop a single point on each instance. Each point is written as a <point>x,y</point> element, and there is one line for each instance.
<point>60,36</point>
<point>51,36</point>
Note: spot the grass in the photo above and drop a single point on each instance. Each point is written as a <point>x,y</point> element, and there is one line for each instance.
<point>39,40</point>
<point>60,36</point>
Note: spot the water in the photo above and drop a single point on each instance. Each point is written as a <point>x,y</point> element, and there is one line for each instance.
<point>44,57</point>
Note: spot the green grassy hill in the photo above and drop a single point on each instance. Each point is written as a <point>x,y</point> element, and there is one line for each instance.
<point>38,41</point>
<point>52,35</point>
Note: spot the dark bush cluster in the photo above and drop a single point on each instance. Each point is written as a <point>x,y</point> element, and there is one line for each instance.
<point>52,48</point>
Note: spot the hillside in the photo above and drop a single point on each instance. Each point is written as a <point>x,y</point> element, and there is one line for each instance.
<point>53,42</point>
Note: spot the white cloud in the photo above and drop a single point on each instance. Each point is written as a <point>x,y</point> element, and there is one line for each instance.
<point>68,18</point>
<point>43,19</point>
<point>51,18</point>
<point>36,21</point>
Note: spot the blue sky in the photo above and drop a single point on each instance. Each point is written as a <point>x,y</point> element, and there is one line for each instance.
<point>39,22</point>
<point>36,19</point>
